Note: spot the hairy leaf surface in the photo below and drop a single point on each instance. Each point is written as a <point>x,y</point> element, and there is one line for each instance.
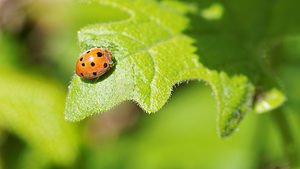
<point>152,53</point>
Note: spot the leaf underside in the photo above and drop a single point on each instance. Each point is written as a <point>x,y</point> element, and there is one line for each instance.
<point>152,54</point>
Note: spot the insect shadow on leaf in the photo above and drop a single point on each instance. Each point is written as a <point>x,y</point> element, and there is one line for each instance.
<point>104,76</point>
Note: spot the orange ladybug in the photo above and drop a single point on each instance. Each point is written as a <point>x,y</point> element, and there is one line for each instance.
<point>94,63</point>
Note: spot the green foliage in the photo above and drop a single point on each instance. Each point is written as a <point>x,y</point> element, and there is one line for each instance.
<point>62,45</point>
<point>181,137</point>
<point>31,108</point>
<point>289,70</point>
<point>152,54</point>
<point>242,39</point>
<point>268,100</point>
<point>233,46</point>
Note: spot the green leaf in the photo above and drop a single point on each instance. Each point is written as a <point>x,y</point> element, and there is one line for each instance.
<point>31,107</point>
<point>241,41</point>
<point>152,55</point>
<point>269,101</point>
<point>72,19</point>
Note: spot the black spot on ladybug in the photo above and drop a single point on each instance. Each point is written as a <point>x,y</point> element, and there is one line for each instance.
<point>88,52</point>
<point>92,64</point>
<point>105,64</point>
<point>81,59</point>
<point>83,64</point>
<point>82,74</point>
<point>94,73</point>
<point>99,54</point>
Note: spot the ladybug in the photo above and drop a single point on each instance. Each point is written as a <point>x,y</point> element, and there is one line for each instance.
<point>94,63</point>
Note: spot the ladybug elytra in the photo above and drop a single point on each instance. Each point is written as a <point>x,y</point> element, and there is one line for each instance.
<point>94,63</point>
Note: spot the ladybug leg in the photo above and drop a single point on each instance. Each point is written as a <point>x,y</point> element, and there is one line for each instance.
<point>113,65</point>
<point>97,78</point>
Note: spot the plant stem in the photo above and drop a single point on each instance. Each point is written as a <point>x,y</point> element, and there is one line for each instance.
<point>287,137</point>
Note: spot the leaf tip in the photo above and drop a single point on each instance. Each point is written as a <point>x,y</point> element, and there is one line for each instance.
<point>269,100</point>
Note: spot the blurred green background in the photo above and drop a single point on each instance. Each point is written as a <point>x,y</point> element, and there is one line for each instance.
<point>38,54</point>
